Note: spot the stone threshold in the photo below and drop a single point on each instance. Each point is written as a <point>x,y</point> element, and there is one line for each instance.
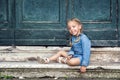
<point>51,48</point>
<point>18,57</point>
<point>35,64</point>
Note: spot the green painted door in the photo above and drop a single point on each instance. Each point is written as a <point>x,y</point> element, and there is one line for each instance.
<point>99,18</point>
<point>118,24</point>
<point>40,22</point>
<point>6,22</point>
<point>43,22</point>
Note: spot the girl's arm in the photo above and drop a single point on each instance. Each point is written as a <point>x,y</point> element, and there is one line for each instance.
<point>71,52</point>
<point>86,45</point>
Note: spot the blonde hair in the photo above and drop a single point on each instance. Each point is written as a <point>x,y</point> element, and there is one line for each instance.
<point>76,20</point>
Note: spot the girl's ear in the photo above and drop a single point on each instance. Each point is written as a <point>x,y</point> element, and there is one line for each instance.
<point>80,27</point>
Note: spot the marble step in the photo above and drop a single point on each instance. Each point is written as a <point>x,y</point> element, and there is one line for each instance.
<point>21,62</point>
<point>26,53</point>
<point>33,69</point>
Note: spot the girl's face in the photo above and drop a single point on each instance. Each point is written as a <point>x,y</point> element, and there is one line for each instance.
<point>74,28</point>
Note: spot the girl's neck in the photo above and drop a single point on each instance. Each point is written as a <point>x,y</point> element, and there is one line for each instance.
<point>78,33</point>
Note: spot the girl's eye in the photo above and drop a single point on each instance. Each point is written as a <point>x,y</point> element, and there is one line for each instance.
<point>68,28</point>
<point>73,26</point>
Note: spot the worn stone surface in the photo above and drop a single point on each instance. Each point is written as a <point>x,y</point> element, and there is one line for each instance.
<point>21,62</point>
<point>23,53</point>
<point>36,72</point>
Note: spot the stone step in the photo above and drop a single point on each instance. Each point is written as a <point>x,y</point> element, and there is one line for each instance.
<point>21,62</point>
<point>33,69</point>
<point>24,53</point>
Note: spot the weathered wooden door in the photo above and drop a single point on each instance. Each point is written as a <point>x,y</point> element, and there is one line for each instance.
<point>99,18</point>
<point>40,22</point>
<point>6,28</point>
<point>43,22</point>
<point>118,24</point>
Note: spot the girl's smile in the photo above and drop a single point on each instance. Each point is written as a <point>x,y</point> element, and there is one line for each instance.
<point>74,28</point>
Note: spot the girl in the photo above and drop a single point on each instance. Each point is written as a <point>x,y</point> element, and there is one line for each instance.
<point>79,53</point>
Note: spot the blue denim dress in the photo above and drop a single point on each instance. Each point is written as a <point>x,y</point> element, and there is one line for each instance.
<point>81,49</point>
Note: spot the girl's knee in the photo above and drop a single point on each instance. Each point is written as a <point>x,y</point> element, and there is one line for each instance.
<point>71,63</point>
<point>61,52</point>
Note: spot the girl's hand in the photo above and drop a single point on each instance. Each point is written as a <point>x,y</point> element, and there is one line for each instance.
<point>69,57</point>
<point>83,69</point>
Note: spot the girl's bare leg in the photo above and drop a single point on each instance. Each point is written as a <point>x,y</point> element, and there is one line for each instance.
<point>70,62</point>
<point>53,58</point>
<point>73,62</point>
<point>60,53</point>
<point>76,62</point>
